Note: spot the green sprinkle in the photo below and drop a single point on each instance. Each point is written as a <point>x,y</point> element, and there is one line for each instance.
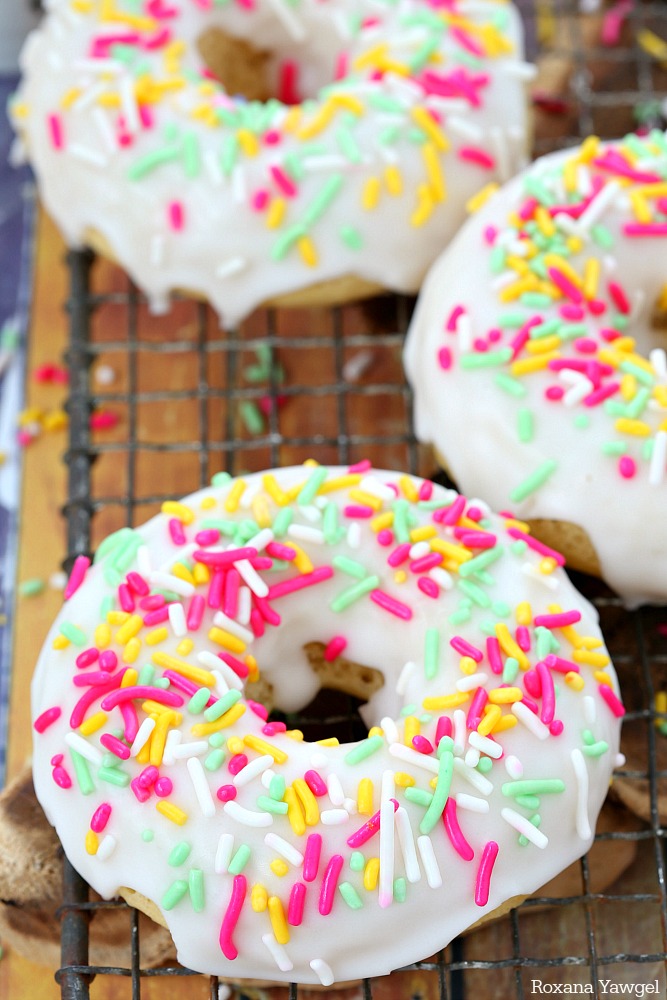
<point>110,759</point>
<point>148,163</point>
<point>216,740</point>
<point>82,772</point>
<point>475,593</point>
<point>174,894</point>
<point>596,749</point>
<point>533,786</point>
<point>240,860</point>
<point>218,708</point>
<point>107,605</point>
<point>418,795</point>
<point>198,701</point>
<point>266,803</point>
<point>486,359</point>
<point>536,300</point>
<point>357,861</point>
<point>613,448</point>
<point>113,776</point>
<point>441,794</point>
<point>147,836</point>
<point>251,416</point>
<point>196,887</point>
<point>318,206</point>
<point>112,542</point>
<point>72,632</point>
<point>228,153</point>
<point>354,593</point>
<point>400,889</point>
<point>525,424</point>
<point>163,683</point>
<point>350,566</point>
<point>602,236</point>
<point>312,485</point>
<point>364,749</point>
<point>401,526</point>
<point>277,787</point>
<point>31,588</point>
<point>330,528</point>
<point>534,481</point>
<point>512,386</point>
<point>446,743</point>
<point>484,559</point>
<point>123,557</point>
<point>536,821</point>
<point>510,670</point>
<point>350,895</point>
<point>484,765</point>
<point>431,653</point>
<point>545,329</point>
<point>546,642</point>
<point>501,608</point>
<point>146,674</point>
<point>351,237</point>
<point>214,760</point>
<point>282,521</point>
<point>179,854</point>
<point>408,710</point>
<point>459,617</point>
<point>581,421</point>
<point>528,801</point>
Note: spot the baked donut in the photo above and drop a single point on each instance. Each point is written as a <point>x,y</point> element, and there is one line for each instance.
<point>245,151</point>
<point>536,373</point>
<point>492,739</point>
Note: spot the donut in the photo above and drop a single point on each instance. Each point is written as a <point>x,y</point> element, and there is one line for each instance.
<point>248,151</point>
<point>536,367</point>
<point>490,749</point>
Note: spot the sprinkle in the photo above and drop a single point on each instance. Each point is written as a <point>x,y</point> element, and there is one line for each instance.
<point>612,701</point>
<point>407,845</point>
<point>46,719</point>
<point>581,774</point>
<point>323,971</point>
<point>524,827</point>
<point>231,917</point>
<point>223,853</point>
<point>172,812</point>
<point>428,859</point>
<point>329,883</point>
<point>483,878</point>
<point>77,576</point>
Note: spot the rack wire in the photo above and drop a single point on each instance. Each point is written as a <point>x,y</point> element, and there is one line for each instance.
<point>192,400</point>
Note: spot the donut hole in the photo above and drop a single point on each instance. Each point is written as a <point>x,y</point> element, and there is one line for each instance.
<point>237,64</point>
<point>331,713</point>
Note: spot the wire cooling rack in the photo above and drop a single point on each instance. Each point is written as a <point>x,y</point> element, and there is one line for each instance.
<point>192,400</point>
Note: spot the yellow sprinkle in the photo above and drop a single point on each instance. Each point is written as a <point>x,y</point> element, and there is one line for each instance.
<point>475,203</point>
<point>248,142</point>
<point>544,221</point>
<point>182,572</point>
<point>433,131</point>
<point>603,678</point>
<point>200,573</point>
<point>636,428</point>
<point>340,483</point>
<point>589,149</point>
<point>130,678</point>
<point>279,867</point>
<point>262,747</point>
<point>628,387</point>
<point>92,724</point>
<point>424,207</point>
<point>197,674</point>
<point>221,637</point>
<point>371,874</point>
<point>159,737</point>
<point>235,744</point>
<point>278,921</point>
<point>467,665</point>
<point>308,802</point>
<point>259,898</point>
<point>526,366</point>
<point>292,118</point>
<point>117,617</point>
<point>382,521</point>
<point>296,735</point>
<point>179,510</point>
<point>510,293</point>
<point>653,44</point>
<point>393,179</point>
<point>591,658</point>
<point>260,510</point>
<point>370,194</point>
<point>208,503</point>
<point>157,636</point>
<point>375,731</point>
<point>543,345</point>
<point>172,812</point>
<point>307,250</point>
<point>423,533</point>
<point>458,553</point>
<point>490,719</point>
<point>574,680</point>
<point>640,207</point>
<point>436,178</point>
<point>185,647</point>
<point>547,565</point>
<point>524,613</point>
<point>371,56</point>
<point>330,741</point>
<point>509,646</point>
<point>294,812</point>
<point>507,722</point>
<point>318,122</point>
<point>411,728</point>
<point>102,636</point>
<point>403,780</point>
<point>270,484</point>
<point>92,842</point>
<point>660,701</point>
<point>367,499</point>
<point>555,260</point>
<point>109,100</point>
<point>505,695</point>
<point>400,576</point>
<point>228,719</point>
<point>253,669</point>
<point>446,701</point>
<point>131,650</point>
<point>69,97</point>
<point>233,497</point>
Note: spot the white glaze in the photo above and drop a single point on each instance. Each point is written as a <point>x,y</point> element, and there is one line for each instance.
<point>384,934</point>
<point>224,250</point>
<point>473,424</point>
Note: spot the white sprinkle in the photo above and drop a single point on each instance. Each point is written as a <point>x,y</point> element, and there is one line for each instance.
<point>105,129</point>
<point>58,580</point>
<point>304,533</point>
<point>471,758</point>
<point>156,249</point>
<point>231,625</point>
<point>290,21</point>
<point>213,168</point>
<point>581,774</point>
<point>143,734</point>
<point>335,790</point>
<point>577,392</point>
<point>584,181</point>
<point>530,720</point>
<point>419,549</point>
<point>327,162</point>
<point>202,790</point>
<point>354,535</point>
<point>473,777</point>
<point>105,375</point>
<point>334,817</point>
<point>230,267</point>
<point>525,827</point>
<point>84,748</point>
<point>407,844</point>
<point>427,854</point>
<point>513,766</point>
<point>223,854</point>
<point>319,760</point>
<point>244,605</point>
<point>261,539</point>
<point>87,155</point>
<point>89,97</point>
<point>144,565</point>
<point>619,760</point>
<point>441,577</point>
<point>239,192</point>
<point>252,578</point>
<point>218,666</point>
<point>129,103</point>
<point>598,205</point>
<point>459,732</point>
<point>656,472</point>
<point>390,730</point>
<point>167,581</point>
<point>224,991</point>
<point>375,486</point>
<point>518,70</point>
<point>658,358</point>
<point>485,745</point>
<point>500,145</point>
<point>322,971</point>
<point>247,817</point>
<point>278,953</point>
<point>106,848</point>
<point>357,365</point>
<point>386,878</point>
<point>406,673</point>
<point>464,129</point>
<point>174,737</point>
<point>547,580</point>
<point>471,681</point>
<point>267,777</point>
<point>183,751</point>
<point>350,807</point>
<point>590,712</point>
<point>414,758</point>
<point>464,332</point>
<point>177,619</point>
<point>472,803</point>
<point>252,770</point>
<point>388,787</point>
<point>284,848</point>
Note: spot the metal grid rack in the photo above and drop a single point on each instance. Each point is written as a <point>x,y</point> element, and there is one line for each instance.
<point>189,398</point>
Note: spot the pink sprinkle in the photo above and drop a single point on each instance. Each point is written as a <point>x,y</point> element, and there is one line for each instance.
<point>471,154</point>
<point>273,728</point>
<point>100,817</point>
<point>523,638</point>
<point>358,510</point>
<point>466,41</point>
<point>479,700</point>
<point>259,710</point>
<point>141,691</point>
<point>157,617</point>
<point>585,345</point>
<point>619,297</point>
<point>368,830</point>
<point>231,917</point>
<point>483,879</point>
<point>115,746</point>
<point>226,793</point>
<point>176,531</point>
<point>61,777</point>
<point>385,537</point>
<point>108,660</point>
<point>56,131</point>
<point>141,794</point>
<point>612,22</point>
<point>77,576</point>
<point>614,703</point>
<point>425,563</point>
<point>287,83</point>
<point>452,513</point>
<point>426,490</point>
<point>558,620</point>
<point>399,555</point>
<point>125,598</point>
<point>490,235</point>
<point>57,759</point>
<point>47,718</point>
<point>334,648</point>
<point>130,720</point>
<point>316,783</point>
<point>91,696</point>
<point>560,665</point>
<point>272,137</point>
<point>556,727</point>
<point>390,604</point>
<point>422,745</point>
<point>278,551</point>
<point>480,345</point>
<point>599,395</point>
<point>146,116</point>
<point>453,319</point>
<point>329,884</point>
<point>238,666</point>
<point>215,589</point>
<point>260,199</point>
<point>465,648</point>
<point>596,307</point>
<point>451,824</point>
<point>548,693</point>
<point>298,583</point>
<point>473,539</point>
<point>297,899</point>
<point>363,466</point>
<point>268,613</point>
<point>537,546</point>
<point>152,602</point>
<point>224,559</point>
<point>176,215</point>
<point>157,40</point>
<point>88,657</point>
<point>493,654</point>
<point>283,182</point>
<point>237,763</point>
<point>103,420</point>
<point>532,683</point>
<point>572,313</point>
<point>627,466</point>
<point>428,586</point>
<point>163,787</point>
<point>231,593</point>
<point>148,776</point>
<point>311,857</point>
<point>443,728</point>
<point>567,287</point>
<point>209,536</point>
<point>195,612</point>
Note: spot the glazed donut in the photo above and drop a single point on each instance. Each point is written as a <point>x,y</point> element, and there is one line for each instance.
<point>536,372</point>
<point>491,746</point>
<point>406,112</point>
